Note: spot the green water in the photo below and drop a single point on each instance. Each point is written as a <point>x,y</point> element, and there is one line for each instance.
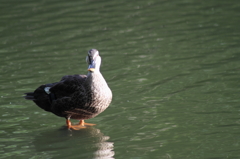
<point>173,67</point>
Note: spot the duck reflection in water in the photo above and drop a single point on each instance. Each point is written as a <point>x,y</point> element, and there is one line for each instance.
<point>84,143</point>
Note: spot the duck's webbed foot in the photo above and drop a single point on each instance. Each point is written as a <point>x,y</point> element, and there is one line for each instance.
<point>82,123</point>
<point>74,127</point>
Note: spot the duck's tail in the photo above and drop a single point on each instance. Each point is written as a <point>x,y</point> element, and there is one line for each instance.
<point>40,97</point>
<point>29,96</point>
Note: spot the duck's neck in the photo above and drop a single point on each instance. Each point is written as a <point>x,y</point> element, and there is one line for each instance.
<point>95,78</point>
<point>96,72</point>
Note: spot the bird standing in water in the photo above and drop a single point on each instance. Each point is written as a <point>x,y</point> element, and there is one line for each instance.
<point>76,96</point>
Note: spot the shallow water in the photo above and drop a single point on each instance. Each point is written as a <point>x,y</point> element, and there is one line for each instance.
<point>173,68</point>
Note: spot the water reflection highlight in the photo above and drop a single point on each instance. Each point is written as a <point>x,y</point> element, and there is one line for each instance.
<point>84,143</point>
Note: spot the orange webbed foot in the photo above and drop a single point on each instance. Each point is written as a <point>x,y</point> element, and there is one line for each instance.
<point>74,127</point>
<point>82,123</point>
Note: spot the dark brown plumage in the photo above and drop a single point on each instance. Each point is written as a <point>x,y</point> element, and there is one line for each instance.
<point>76,96</point>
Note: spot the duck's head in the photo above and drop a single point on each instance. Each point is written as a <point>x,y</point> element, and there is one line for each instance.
<point>94,60</point>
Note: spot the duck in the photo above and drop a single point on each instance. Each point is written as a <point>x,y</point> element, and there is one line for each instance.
<point>77,97</point>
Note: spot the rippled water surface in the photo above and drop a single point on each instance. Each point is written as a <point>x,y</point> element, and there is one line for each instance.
<point>173,67</point>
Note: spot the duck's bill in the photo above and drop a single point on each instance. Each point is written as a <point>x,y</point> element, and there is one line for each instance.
<point>91,69</point>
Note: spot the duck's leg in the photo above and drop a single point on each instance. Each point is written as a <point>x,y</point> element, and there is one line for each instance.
<point>74,127</point>
<point>82,123</point>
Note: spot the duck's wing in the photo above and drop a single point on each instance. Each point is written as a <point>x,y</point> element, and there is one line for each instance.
<point>68,85</point>
<point>68,94</point>
<point>45,95</point>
